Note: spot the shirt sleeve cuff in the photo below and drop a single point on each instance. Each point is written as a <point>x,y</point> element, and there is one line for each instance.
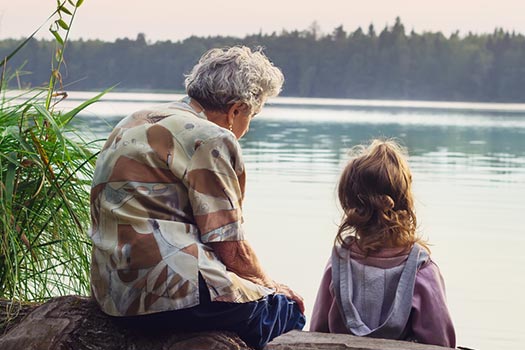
<point>229,232</point>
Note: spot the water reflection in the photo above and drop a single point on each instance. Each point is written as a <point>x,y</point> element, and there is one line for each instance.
<point>489,154</point>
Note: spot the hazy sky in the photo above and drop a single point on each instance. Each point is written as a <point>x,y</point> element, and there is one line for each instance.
<point>175,20</point>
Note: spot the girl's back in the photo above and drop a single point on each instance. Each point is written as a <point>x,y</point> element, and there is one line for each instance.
<point>380,281</point>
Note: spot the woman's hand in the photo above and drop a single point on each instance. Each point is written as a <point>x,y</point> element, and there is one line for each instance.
<point>240,258</point>
<point>287,291</point>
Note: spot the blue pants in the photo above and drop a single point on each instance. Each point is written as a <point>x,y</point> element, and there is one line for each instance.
<point>255,322</point>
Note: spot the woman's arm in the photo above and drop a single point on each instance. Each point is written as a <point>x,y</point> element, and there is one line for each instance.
<point>240,258</point>
<point>215,180</point>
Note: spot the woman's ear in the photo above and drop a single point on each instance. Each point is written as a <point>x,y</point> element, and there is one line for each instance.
<point>234,111</point>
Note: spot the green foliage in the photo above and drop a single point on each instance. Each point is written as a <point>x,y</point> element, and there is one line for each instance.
<point>46,170</point>
<point>376,64</point>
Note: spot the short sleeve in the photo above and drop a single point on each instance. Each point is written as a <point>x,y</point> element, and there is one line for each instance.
<point>430,318</point>
<point>215,180</point>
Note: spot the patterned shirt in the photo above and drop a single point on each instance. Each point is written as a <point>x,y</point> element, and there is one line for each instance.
<point>166,183</point>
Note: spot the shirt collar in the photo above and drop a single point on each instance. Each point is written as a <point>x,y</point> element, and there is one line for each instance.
<point>194,106</point>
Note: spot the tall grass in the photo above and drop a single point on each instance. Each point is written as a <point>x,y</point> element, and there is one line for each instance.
<point>46,169</point>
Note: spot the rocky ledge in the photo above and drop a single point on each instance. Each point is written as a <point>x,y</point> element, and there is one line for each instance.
<point>74,322</point>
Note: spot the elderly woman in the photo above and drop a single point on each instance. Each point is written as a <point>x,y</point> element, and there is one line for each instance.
<point>169,247</point>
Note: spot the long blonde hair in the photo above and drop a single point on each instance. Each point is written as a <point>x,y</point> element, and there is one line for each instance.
<point>375,193</point>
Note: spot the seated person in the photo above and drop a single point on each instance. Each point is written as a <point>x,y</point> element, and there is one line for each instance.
<point>169,249</point>
<point>380,281</point>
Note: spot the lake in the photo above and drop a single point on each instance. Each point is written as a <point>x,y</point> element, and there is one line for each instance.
<point>468,164</point>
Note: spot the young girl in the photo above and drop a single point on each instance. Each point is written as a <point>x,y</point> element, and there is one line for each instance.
<point>380,280</point>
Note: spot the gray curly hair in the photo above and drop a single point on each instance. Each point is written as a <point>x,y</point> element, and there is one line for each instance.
<point>230,75</point>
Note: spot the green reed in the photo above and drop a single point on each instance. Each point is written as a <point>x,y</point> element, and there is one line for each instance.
<point>46,169</point>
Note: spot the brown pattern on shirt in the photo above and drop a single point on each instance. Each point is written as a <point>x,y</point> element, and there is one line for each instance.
<point>166,182</point>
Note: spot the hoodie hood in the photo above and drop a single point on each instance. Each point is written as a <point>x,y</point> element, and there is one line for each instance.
<point>375,293</point>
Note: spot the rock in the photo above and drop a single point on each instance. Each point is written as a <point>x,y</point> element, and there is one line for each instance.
<point>74,322</point>
<point>12,313</point>
<point>296,340</point>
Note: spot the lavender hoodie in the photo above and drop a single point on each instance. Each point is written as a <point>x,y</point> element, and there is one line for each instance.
<point>379,311</point>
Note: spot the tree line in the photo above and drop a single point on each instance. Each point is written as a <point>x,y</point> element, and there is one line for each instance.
<point>389,64</point>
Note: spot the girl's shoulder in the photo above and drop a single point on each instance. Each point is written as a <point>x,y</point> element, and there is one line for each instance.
<point>384,258</point>
<point>429,275</point>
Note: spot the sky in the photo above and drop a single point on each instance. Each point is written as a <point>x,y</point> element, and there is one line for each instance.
<point>175,20</point>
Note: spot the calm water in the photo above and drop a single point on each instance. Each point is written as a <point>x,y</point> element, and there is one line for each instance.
<point>468,163</point>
